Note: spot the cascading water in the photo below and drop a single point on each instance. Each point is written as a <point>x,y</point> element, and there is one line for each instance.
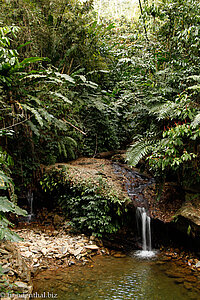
<point>144,227</point>
<point>30,202</point>
<point>136,184</point>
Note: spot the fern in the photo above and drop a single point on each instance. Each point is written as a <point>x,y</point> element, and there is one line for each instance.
<point>138,150</point>
<point>64,151</point>
<point>58,95</point>
<point>163,110</point>
<point>59,148</point>
<point>35,112</point>
<point>65,77</point>
<point>71,141</point>
<point>196,121</point>
<point>33,128</point>
<point>195,77</point>
<point>194,87</point>
<point>47,116</point>
<point>4,180</point>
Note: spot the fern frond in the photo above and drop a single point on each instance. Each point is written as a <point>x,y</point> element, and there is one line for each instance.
<point>33,128</point>
<point>59,95</point>
<point>60,124</point>
<point>194,87</point>
<point>59,148</point>
<point>35,112</point>
<point>138,150</point>
<point>164,110</point>
<point>195,77</point>
<point>64,151</point>
<point>196,121</point>
<point>65,77</point>
<point>47,116</point>
<point>70,141</point>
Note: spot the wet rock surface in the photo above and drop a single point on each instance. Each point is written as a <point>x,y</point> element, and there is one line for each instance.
<point>184,269</point>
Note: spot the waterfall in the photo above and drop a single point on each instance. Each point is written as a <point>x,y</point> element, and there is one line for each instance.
<point>144,227</point>
<point>30,202</point>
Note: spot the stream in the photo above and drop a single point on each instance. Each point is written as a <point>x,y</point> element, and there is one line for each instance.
<point>144,274</point>
<point>107,277</point>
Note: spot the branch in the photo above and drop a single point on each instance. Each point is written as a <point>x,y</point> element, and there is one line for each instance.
<point>16,123</point>
<point>74,126</point>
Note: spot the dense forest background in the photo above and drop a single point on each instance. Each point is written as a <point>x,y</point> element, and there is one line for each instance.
<point>82,77</point>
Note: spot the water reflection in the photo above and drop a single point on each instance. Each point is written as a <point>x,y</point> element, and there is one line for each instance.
<point>114,278</point>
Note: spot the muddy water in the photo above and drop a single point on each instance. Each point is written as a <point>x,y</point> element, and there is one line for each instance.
<point>121,278</point>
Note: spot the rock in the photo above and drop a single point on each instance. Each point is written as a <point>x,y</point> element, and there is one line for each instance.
<point>179,280</point>
<point>160,263</point>
<point>27,254</point>
<point>71,262</point>
<point>197,264</point>
<point>44,251</point>
<point>75,252</point>
<point>58,220</point>
<point>5,270</point>
<point>188,285</point>
<point>21,285</point>
<point>190,279</point>
<point>92,247</point>
<point>188,216</point>
<point>165,258</point>
<point>174,274</point>
<point>119,255</point>
<point>2,251</point>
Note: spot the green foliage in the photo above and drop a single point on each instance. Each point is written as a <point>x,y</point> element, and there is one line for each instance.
<point>92,206</point>
<point>189,230</point>
<point>62,30</point>
<point>6,206</point>
<point>163,87</point>
<point>34,104</point>
<point>111,83</point>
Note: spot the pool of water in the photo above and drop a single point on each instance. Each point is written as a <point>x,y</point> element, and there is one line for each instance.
<point>121,278</point>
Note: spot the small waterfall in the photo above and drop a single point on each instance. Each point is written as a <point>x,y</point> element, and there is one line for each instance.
<point>30,202</point>
<point>144,228</point>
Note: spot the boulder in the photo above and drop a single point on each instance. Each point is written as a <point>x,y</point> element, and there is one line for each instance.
<point>58,220</point>
<point>187,219</point>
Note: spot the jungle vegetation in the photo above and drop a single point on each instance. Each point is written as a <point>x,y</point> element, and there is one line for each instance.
<point>75,81</point>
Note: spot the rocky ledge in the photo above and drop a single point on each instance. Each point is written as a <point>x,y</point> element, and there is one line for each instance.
<point>187,218</point>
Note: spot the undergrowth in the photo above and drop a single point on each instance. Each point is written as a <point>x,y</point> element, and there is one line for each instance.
<point>92,205</point>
